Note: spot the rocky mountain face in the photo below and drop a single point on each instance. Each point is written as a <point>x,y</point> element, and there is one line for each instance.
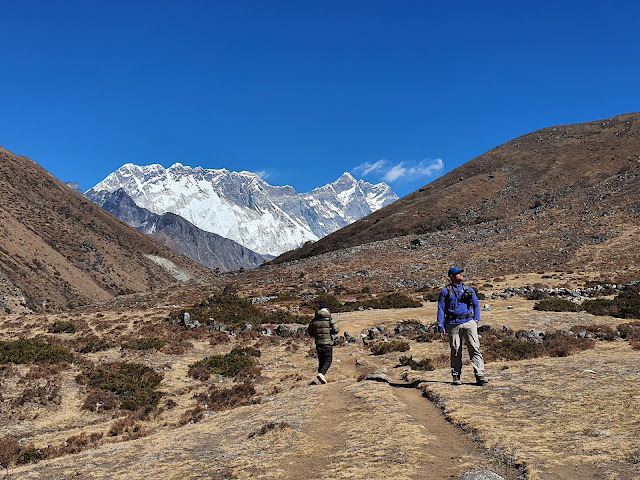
<point>209,249</point>
<point>244,208</point>
<point>59,250</point>
<point>563,197</point>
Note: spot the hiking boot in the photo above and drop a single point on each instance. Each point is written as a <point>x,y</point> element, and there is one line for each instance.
<point>481,381</point>
<point>321,378</point>
<point>456,380</point>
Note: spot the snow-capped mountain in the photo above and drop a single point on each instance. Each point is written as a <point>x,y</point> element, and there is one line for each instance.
<point>206,248</point>
<point>243,207</point>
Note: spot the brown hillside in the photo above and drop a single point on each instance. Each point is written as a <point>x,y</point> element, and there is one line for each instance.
<point>536,202</point>
<point>59,250</point>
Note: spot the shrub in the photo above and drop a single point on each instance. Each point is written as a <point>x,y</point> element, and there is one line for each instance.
<point>630,331</point>
<point>62,326</point>
<point>625,305</point>
<point>127,427</point>
<point>218,399</point>
<point>229,309</point>
<point>556,305</point>
<point>432,295</point>
<point>414,365</point>
<point>246,351</point>
<point>145,343</point>
<point>228,365</point>
<point>33,351</point>
<point>505,346</point>
<point>391,346</point>
<point>284,316</point>
<point>133,383</point>
<point>537,295</point>
<point>428,336</point>
<point>268,427</point>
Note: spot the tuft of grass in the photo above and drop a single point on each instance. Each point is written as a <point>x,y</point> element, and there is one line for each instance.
<point>391,346</point>
<point>133,383</point>
<point>33,351</point>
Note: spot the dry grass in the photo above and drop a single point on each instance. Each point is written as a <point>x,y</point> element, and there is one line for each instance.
<point>574,420</point>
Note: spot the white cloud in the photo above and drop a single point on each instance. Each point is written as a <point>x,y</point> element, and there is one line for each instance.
<point>401,171</point>
<point>366,168</point>
<point>396,172</point>
<point>263,174</point>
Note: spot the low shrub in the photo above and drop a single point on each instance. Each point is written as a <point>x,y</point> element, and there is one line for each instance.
<point>630,331</point>
<point>432,295</point>
<point>62,326</point>
<point>145,343</point>
<point>537,295</point>
<point>427,337</point>
<point>498,345</point>
<point>127,427</point>
<point>284,316</point>
<point>268,427</point>
<point>391,346</point>
<point>415,365</point>
<point>227,308</point>
<point>218,399</point>
<point>624,305</point>
<point>33,351</point>
<point>133,383</point>
<point>228,365</point>
<point>556,305</point>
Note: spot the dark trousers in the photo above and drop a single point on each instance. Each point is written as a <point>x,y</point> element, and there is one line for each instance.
<point>325,357</point>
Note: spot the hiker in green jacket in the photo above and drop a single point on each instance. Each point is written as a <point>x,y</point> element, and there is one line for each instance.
<point>322,328</point>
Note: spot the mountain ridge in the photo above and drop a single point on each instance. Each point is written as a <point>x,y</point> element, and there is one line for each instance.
<point>59,250</point>
<point>537,174</point>
<point>243,207</point>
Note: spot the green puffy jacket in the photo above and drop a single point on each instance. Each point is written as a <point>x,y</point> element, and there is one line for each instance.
<point>323,327</point>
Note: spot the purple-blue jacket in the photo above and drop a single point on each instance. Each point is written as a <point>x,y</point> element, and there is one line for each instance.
<point>453,310</point>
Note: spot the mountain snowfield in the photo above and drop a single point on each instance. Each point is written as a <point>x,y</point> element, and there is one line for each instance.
<point>241,206</point>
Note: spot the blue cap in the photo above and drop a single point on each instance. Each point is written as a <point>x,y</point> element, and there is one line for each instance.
<point>455,270</point>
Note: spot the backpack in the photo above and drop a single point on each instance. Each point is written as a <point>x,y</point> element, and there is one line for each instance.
<point>466,297</point>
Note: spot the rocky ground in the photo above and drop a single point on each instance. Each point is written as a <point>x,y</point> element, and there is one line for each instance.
<point>539,418</point>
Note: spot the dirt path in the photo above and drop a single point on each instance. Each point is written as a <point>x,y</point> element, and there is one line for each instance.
<point>451,454</point>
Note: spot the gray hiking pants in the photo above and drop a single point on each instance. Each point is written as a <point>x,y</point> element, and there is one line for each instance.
<point>468,332</point>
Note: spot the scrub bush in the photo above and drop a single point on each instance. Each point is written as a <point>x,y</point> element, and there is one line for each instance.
<point>415,365</point>
<point>228,365</point>
<point>391,346</point>
<point>62,326</point>
<point>132,383</point>
<point>33,351</point>
<point>556,305</point>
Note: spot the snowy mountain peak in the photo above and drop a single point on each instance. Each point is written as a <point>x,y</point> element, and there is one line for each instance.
<point>243,207</point>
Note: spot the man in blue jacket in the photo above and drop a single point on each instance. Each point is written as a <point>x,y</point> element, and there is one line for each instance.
<point>458,315</point>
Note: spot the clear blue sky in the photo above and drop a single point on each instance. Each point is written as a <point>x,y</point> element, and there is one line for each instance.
<point>304,90</point>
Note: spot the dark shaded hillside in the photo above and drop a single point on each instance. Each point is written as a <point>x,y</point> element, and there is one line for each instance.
<point>209,249</point>
<point>59,250</point>
<point>568,175</point>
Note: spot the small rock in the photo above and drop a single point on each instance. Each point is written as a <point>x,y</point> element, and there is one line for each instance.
<point>486,307</point>
<point>480,475</point>
<point>509,307</point>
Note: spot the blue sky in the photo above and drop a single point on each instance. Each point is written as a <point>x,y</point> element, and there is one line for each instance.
<point>305,90</point>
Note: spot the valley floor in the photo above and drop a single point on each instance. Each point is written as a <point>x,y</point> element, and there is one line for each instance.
<point>545,418</point>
